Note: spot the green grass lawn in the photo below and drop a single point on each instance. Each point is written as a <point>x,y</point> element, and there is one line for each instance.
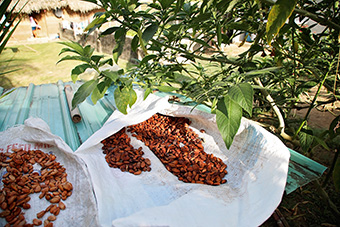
<point>34,63</point>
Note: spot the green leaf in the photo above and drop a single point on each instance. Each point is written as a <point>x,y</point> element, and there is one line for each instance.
<point>79,69</point>
<point>232,5</point>
<point>306,138</point>
<point>6,93</point>
<point>277,17</point>
<point>166,88</point>
<point>75,46</point>
<point>75,58</point>
<point>219,36</point>
<point>122,98</point>
<point>201,17</point>
<point>336,174</point>
<point>155,6</point>
<point>64,50</point>
<point>133,97</point>
<point>165,3</point>
<point>149,32</point>
<point>7,31</point>
<point>83,92</point>
<point>179,5</point>
<point>243,95</point>
<point>261,71</point>
<point>120,36</point>
<point>88,51</point>
<point>113,75</point>
<point>97,21</point>
<point>96,58</point>
<point>99,91</point>
<point>214,105</point>
<point>201,41</point>
<point>109,31</point>
<point>108,61</point>
<point>228,119</point>
<point>147,58</point>
<point>322,142</point>
<point>147,92</point>
<point>120,71</point>
<point>134,43</point>
<point>93,1</point>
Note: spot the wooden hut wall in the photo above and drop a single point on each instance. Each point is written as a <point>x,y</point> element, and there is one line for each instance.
<point>49,22</point>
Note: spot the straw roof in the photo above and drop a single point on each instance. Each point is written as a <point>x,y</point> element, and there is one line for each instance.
<point>37,5</point>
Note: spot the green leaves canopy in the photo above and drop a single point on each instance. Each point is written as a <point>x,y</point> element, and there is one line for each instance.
<point>173,34</point>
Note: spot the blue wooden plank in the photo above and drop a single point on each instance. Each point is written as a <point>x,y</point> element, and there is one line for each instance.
<point>12,104</point>
<point>301,171</point>
<point>25,107</point>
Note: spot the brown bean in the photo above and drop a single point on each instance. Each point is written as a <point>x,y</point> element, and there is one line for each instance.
<point>11,199</point>
<point>41,214</point>
<point>55,199</point>
<point>26,206</point>
<point>37,222</point>
<point>62,205</point>
<point>5,213</point>
<point>51,218</point>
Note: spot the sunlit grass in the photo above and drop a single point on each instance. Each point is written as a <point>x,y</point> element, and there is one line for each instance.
<point>35,63</point>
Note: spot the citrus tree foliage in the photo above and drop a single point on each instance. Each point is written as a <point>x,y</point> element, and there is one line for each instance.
<point>181,40</point>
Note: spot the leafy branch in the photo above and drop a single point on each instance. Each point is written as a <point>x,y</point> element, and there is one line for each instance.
<point>166,30</point>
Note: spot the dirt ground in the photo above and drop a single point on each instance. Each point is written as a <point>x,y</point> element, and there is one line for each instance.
<point>310,205</point>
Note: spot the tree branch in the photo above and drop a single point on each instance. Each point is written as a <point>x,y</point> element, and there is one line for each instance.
<point>220,60</point>
<point>276,109</point>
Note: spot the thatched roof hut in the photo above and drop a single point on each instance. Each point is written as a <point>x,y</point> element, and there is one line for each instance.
<point>50,14</point>
<point>35,6</point>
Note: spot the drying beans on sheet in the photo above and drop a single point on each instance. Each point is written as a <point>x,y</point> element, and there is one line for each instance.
<point>22,179</point>
<point>180,149</point>
<point>119,153</point>
<point>176,145</point>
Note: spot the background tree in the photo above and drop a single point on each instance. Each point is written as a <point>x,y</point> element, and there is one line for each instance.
<point>182,44</point>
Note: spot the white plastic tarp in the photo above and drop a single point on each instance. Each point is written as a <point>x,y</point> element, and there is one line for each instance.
<point>257,172</point>
<point>35,134</point>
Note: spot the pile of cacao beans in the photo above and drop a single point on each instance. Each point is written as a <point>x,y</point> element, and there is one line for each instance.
<point>22,179</point>
<point>119,153</point>
<point>175,144</point>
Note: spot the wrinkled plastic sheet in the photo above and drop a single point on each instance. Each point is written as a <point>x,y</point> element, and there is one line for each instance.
<point>257,171</point>
<point>81,208</point>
